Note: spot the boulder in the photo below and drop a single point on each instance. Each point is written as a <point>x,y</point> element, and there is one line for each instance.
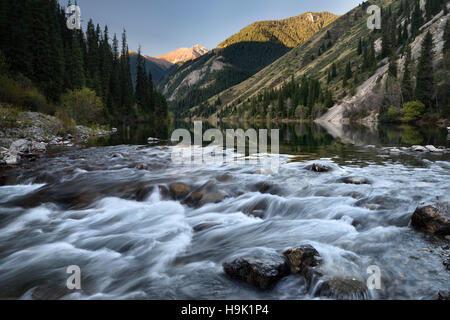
<point>12,159</point>
<point>261,271</point>
<point>419,149</point>
<point>432,219</point>
<point>212,197</point>
<point>20,146</point>
<point>341,289</point>
<point>434,149</point>
<point>317,167</point>
<point>38,147</point>
<point>355,180</point>
<point>179,190</point>
<point>302,257</point>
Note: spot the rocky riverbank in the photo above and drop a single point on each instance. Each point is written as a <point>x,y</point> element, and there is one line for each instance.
<point>34,132</point>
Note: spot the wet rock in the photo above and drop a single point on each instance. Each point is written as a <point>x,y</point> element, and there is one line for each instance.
<point>434,149</point>
<point>142,194</point>
<point>302,257</point>
<point>163,148</point>
<point>212,197</point>
<point>205,226</point>
<point>179,190</point>
<point>317,167</point>
<point>419,149</point>
<point>2,180</point>
<point>20,146</point>
<point>195,197</point>
<point>257,214</point>
<point>224,177</point>
<point>12,159</point>
<point>341,289</point>
<point>262,272</point>
<point>395,150</point>
<point>442,295</point>
<point>266,187</point>
<point>355,180</point>
<point>38,147</point>
<point>140,166</point>
<point>152,140</point>
<point>164,192</point>
<point>432,219</point>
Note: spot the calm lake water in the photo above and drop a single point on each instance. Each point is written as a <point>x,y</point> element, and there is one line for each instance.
<point>105,209</point>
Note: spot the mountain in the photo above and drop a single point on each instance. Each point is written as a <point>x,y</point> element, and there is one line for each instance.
<point>238,58</point>
<point>347,72</point>
<point>290,32</point>
<point>158,67</point>
<point>183,55</point>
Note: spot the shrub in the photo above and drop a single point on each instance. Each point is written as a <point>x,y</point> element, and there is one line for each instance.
<point>8,117</point>
<point>68,125</point>
<point>412,111</point>
<point>83,106</point>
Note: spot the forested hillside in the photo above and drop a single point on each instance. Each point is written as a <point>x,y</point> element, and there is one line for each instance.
<point>239,59</point>
<point>398,74</point>
<point>49,68</point>
<point>290,32</point>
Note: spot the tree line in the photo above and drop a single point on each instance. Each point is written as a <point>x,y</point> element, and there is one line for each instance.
<point>38,46</point>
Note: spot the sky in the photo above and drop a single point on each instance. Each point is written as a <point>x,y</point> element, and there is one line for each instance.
<point>162,26</point>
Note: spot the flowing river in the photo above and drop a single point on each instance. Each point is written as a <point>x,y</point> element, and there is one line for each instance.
<point>106,209</point>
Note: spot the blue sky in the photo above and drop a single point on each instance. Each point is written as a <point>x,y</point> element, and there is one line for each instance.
<point>161,26</point>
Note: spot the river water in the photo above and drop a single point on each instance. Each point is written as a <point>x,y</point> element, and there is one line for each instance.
<point>95,209</point>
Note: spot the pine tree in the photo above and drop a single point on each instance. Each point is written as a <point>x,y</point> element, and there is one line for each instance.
<point>407,87</point>
<point>425,74</point>
<point>360,47</point>
<point>333,70</point>
<point>393,66</point>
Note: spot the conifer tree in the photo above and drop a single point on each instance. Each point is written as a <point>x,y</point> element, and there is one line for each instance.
<point>425,73</point>
<point>407,87</point>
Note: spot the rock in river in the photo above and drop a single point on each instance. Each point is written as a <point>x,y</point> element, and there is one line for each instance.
<point>317,167</point>
<point>432,219</point>
<point>260,270</point>
<point>179,190</point>
<point>355,180</point>
<point>301,257</point>
<point>341,289</point>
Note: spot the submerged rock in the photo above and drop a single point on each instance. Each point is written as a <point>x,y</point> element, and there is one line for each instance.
<point>431,219</point>
<point>212,197</point>
<point>302,257</point>
<point>205,226</point>
<point>355,180</point>
<point>262,272</point>
<point>341,289</point>
<point>317,167</point>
